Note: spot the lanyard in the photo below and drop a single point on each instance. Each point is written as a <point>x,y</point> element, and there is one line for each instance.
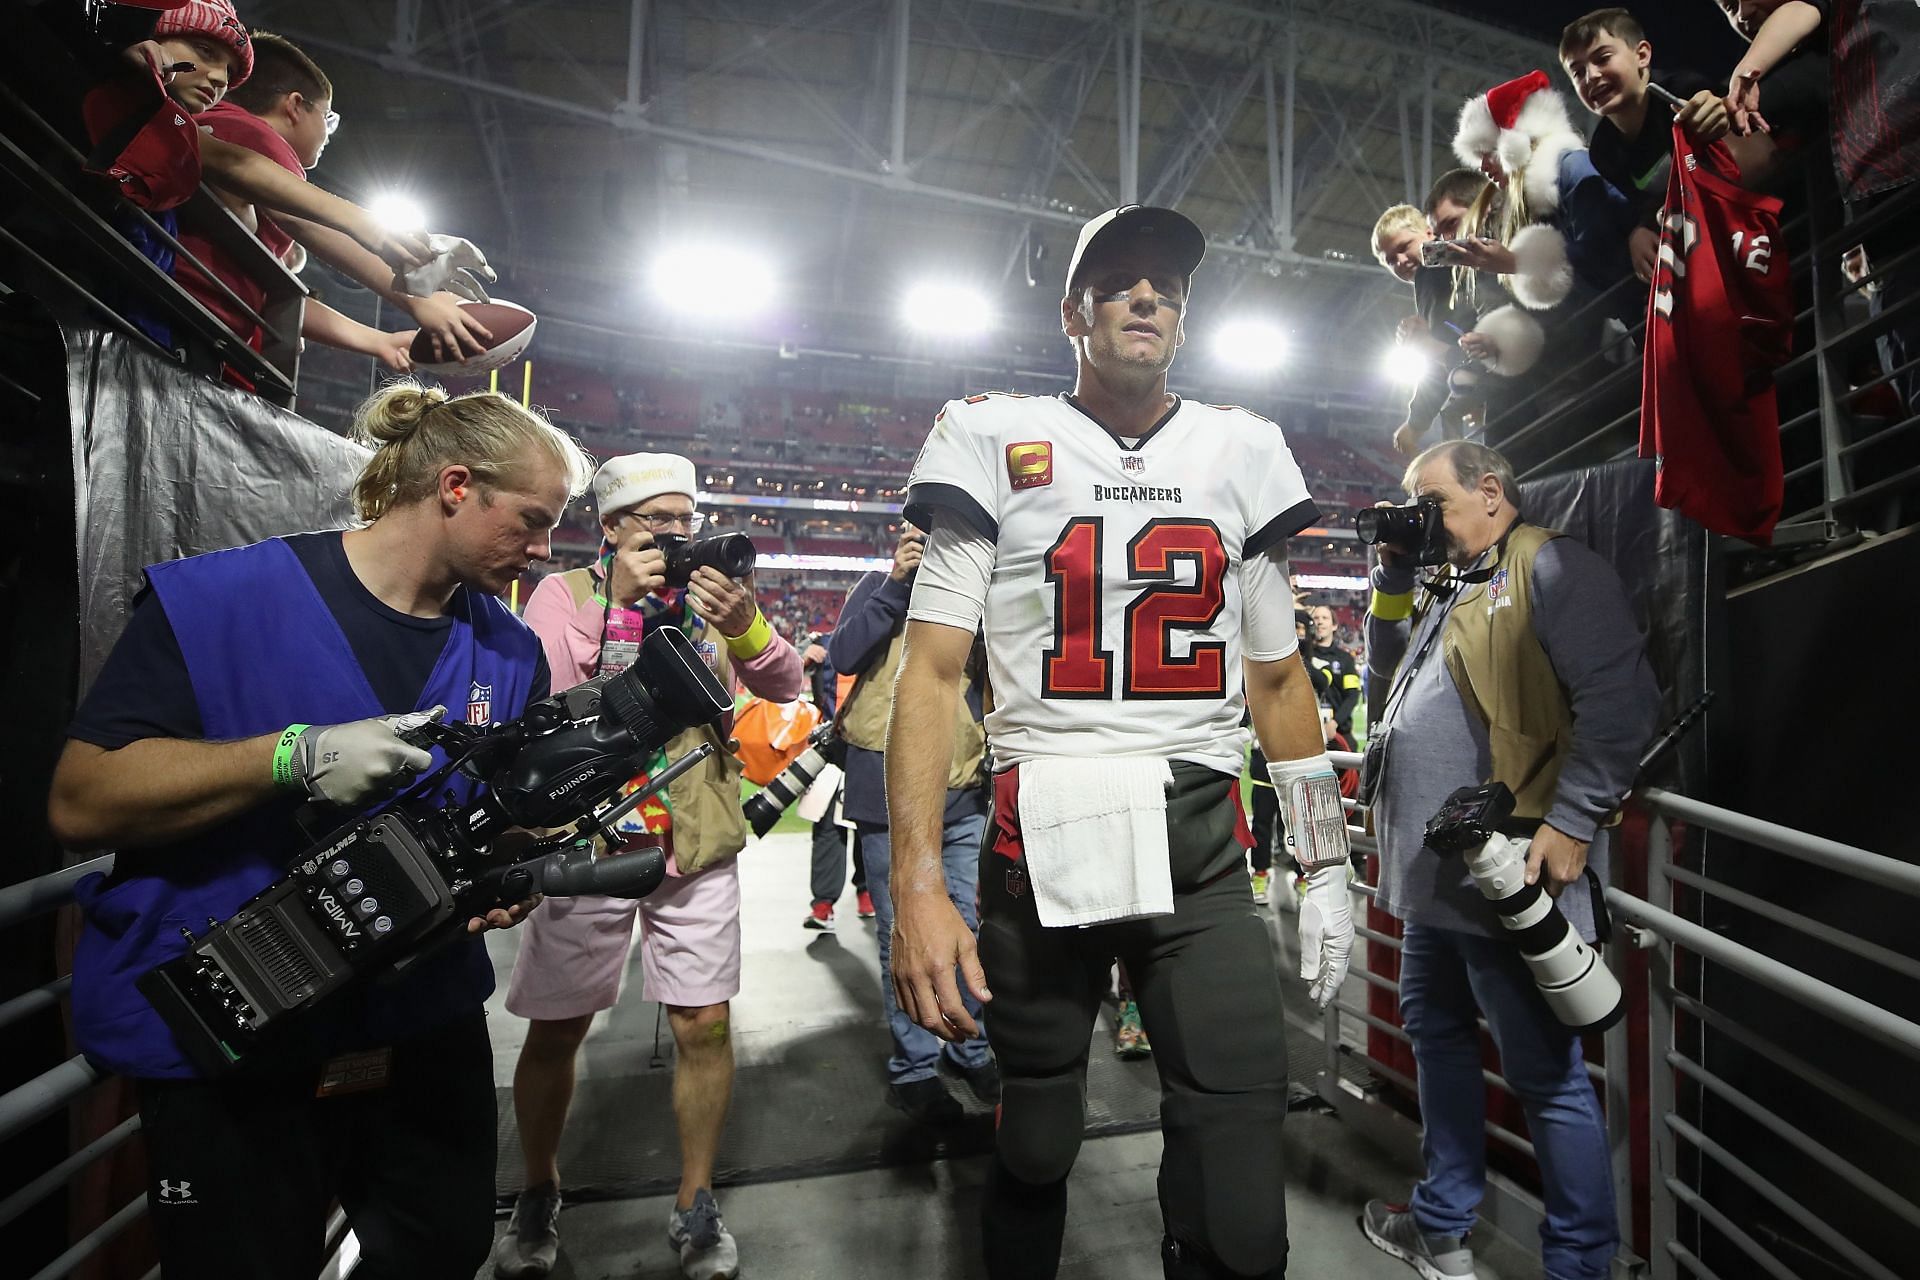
<point>1409,667</point>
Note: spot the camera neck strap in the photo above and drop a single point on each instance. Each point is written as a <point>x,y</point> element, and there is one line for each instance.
<point>1444,589</point>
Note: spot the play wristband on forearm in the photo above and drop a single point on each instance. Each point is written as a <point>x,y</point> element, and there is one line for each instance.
<point>1309,795</point>
<point>753,641</point>
<point>283,771</point>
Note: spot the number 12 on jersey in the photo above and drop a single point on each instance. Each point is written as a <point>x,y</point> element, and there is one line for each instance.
<point>1080,665</point>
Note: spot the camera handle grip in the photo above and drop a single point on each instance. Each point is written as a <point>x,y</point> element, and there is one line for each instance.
<point>602,823</point>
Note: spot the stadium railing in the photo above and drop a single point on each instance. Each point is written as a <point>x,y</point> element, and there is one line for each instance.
<point>63,242</point>
<point>1674,970</point>
<point>1840,474</point>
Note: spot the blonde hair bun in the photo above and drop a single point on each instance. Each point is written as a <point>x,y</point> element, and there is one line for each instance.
<point>394,412</point>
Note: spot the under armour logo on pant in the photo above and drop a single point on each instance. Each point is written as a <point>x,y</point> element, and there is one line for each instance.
<point>176,1191</point>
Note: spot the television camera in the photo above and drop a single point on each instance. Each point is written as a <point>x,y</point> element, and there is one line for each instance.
<point>395,883</point>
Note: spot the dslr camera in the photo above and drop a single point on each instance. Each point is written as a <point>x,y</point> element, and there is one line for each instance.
<point>1582,992</point>
<point>1415,530</point>
<point>395,883</point>
<point>731,553</point>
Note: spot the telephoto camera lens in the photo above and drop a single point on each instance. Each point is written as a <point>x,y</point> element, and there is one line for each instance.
<point>767,804</point>
<point>731,553</point>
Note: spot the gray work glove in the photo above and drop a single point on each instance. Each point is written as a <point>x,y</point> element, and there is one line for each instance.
<point>349,764</point>
<point>458,267</point>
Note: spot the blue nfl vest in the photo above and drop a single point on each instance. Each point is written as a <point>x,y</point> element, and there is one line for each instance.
<point>264,651</point>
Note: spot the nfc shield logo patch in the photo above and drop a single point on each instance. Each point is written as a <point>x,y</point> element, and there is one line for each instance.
<point>1030,464</point>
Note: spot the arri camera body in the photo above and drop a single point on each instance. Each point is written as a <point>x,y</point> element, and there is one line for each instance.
<point>731,553</point>
<point>1582,992</point>
<point>389,886</point>
<point>1415,529</point>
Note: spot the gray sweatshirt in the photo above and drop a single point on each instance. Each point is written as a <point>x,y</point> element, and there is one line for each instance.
<point>1581,617</point>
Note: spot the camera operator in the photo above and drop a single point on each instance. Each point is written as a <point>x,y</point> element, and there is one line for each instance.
<point>1522,665</point>
<point>575,954</point>
<point>868,642</point>
<point>250,679</point>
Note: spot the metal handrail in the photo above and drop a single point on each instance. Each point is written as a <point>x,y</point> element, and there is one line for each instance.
<point>28,1104</point>
<point>25,899</point>
<point>41,1187</point>
<point>92,1242</point>
<point>1793,1064</point>
<point>1832,854</point>
<point>1749,1177</point>
<point>1842,1006</point>
<point>1865,1183</point>
<point>1905,966</point>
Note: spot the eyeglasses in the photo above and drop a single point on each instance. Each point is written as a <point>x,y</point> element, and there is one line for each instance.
<point>666,522</point>
<point>330,119</point>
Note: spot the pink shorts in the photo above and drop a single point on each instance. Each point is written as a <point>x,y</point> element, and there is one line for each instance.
<point>573,951</point>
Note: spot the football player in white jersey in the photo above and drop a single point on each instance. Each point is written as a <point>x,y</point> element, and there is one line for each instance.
<point>1125,551</point>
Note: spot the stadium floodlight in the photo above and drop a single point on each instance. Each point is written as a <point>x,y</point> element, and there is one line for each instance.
<point>1250,344</point>
<point>945,307</point>
<point>1404,364</point>
<point>397,211</point>
<point>713,280</point>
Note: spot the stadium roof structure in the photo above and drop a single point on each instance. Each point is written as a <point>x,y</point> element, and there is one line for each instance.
<point>866,144</point>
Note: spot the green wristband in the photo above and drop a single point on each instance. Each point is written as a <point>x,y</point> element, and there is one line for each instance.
<point>283,775</point>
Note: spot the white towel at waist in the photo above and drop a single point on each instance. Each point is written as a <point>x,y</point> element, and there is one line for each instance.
<point>1095,833</point>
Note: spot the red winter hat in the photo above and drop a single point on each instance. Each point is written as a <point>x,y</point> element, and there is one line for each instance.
<point>1508,121</point>
<point>214,18</point>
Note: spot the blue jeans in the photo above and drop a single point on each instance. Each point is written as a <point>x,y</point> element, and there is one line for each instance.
<point>916,1050</point>
<point>1447,977</point>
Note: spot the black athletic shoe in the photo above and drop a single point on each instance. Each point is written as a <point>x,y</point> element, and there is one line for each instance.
<point>925,1102</point>
<point>983,1081</point>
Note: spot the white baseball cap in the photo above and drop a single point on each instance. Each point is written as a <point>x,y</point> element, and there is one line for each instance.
<point>632,478</point>
<point>1130,223</point>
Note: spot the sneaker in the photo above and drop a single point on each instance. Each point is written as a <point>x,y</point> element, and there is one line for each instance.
<point>820,917</point>
<point>532,1241</point>
<point>1391,1229</point>
<point>925,1102</point>
<point>864,906</point>
<point>707,1250</point>
<point>1260,879</point>
<point>1130,1038</point>
<point>983,1081</point>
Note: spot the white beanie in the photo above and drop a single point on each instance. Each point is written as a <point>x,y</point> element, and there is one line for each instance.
<point>632,478</point>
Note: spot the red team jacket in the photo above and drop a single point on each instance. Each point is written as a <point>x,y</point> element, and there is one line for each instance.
<point>1719,322</point>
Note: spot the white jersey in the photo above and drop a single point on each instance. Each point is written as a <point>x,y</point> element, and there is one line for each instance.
<point>1113,615</point>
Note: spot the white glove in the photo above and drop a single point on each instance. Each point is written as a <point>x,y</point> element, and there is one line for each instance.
<point>1309,795</point>
<point>458,267</point>
<point>1326,932</point>
<point>349,764</point>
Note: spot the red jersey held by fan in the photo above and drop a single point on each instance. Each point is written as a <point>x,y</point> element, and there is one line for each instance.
<point>1719,322</point>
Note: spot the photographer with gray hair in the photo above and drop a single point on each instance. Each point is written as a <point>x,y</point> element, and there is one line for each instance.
<point>1518,662</point>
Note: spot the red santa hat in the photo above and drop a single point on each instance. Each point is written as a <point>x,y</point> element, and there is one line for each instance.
<point>215,18</point>
<point>1519,125</point>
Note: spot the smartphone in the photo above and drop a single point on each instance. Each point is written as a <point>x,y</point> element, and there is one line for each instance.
<point>1434,254</point>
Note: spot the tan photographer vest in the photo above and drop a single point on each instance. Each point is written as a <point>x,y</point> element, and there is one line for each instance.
<point>1505,677</point>
<point>864,712</point>
<point>708,826</point>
